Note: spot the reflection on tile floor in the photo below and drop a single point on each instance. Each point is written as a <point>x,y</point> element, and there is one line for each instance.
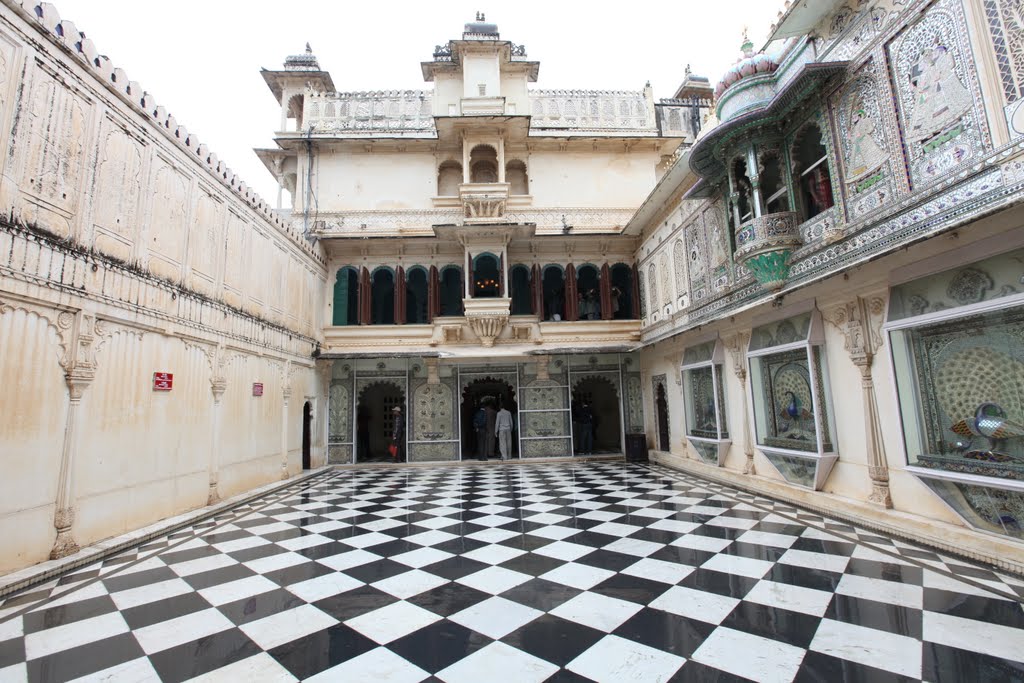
<point>596,571</point>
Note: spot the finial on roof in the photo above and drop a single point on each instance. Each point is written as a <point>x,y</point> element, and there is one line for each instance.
<point>747,47</point>
<point>309,50</point>
<point>688,70</point>
<point>480,16</point>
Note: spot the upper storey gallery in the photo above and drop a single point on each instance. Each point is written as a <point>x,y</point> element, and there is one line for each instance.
<point>479,124</point>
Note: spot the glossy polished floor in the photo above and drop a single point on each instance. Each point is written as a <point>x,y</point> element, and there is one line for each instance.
<point>568,572</point>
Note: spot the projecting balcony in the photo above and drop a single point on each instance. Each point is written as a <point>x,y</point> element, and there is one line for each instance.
<point>764,245</point>
<point>484,203</point>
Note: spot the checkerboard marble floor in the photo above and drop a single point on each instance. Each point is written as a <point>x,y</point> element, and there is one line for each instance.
<point>518,573</point>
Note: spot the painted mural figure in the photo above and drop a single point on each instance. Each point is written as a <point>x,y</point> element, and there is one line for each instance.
<point>939,96</point>
<point>865,154</point>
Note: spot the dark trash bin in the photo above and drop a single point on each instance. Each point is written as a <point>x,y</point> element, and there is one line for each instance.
<point>636,447</point>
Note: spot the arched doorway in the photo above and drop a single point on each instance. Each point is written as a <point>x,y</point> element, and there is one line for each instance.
<point>307,428</point>
<point>661,402</point>
<point>474,395</point>
<point>375,420</point>
<point>600,394</point>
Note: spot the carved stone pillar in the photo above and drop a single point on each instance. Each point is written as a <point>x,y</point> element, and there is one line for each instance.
<point>217,387</point>
<point>80,369</point>
<point>737,346</point>
<point>860,321</point>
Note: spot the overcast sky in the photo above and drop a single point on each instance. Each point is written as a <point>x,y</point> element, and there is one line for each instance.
<point>201,59</point>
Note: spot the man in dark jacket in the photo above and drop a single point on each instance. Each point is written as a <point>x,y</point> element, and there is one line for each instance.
<point>480,427</point>
<point>491,435</point>
<point>586,419</point>
<point>398,434</point>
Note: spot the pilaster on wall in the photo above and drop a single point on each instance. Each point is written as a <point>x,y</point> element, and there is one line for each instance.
<point>737,347</point>
<point>79,365</point>
<point>860,321</point>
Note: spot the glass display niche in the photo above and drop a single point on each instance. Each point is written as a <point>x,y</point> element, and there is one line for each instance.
<point>957,341</point>
<point>792,399</point>
<point>704,401</point>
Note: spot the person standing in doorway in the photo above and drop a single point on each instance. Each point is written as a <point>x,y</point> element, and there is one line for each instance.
<point>398,435</point>
<point>480,427</point>
<point>503,424</point>
<point>586,429</point>
<point>490,436</point>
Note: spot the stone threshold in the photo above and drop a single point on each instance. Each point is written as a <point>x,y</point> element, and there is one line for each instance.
<point>473,462</point>
<point>963,543</point>
<point>43,571</point>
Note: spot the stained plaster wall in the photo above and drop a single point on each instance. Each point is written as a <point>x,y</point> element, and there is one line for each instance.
<point>127,248</point>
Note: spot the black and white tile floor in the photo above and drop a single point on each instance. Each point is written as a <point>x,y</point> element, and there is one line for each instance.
<point>596,571</point>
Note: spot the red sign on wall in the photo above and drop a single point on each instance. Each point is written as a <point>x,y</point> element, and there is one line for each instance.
<point>163,381</point>
<point>257,388</point>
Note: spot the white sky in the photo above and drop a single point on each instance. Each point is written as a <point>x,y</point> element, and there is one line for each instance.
<point>201,59</point>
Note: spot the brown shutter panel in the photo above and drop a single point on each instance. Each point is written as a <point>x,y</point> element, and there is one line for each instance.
<point>537,292</point>
<point>433,294</point>
<point>400,296</point>
<point>635,287</point>
<point>606,293</point>
<point>571,303</point>
<point>364,297</point>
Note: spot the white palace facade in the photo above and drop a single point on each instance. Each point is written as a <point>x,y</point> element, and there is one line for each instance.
<point>806,281</point>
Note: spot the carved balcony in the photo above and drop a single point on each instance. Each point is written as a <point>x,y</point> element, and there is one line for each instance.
<point>487,317</point>
<point>484,203</point>
<point>765,244</point>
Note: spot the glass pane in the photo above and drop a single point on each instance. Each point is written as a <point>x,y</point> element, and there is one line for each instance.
<point>794,469</point>
<point>708,452</point>
<point>698,354</point>
<point>783,408</point>
<point>699,398</point>
<point>781,332</point>
<point>961,388</point>
<point>992,278</point>
<point>985,507</point>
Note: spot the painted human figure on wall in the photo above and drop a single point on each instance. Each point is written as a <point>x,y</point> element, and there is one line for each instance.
<point>940,98</point>
<point>865,155</point>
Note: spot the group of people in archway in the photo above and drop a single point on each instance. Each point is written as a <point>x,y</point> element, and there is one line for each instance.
<point>493,425</point>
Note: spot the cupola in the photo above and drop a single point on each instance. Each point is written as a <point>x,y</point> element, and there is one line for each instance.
<point>751,64</point>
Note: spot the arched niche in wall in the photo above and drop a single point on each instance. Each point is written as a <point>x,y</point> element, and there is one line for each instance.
<point>517,178</point>
<point>622,292</point>
<point>588,292</point>
<point>451,290</point>
<point>416,292</point>
<point>554,292</point>
<point>449,177</point>
<point>483,164</point>
<point>486,276</point>
<point>346,297</point>
<point>382,296</point>
<point>520,290</point>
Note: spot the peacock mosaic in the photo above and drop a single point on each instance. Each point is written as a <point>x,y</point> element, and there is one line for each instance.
<point>969,375</point>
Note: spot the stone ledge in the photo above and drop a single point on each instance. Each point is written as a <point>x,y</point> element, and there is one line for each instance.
<point>960,542</point>
<point>37,573</point>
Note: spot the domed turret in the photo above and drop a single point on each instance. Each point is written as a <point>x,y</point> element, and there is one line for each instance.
<point>751,64</point>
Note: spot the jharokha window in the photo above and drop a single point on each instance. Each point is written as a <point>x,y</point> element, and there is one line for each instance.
<point>957,340</point>
<point>810,170</point>
<point>792,398</point>
<point>704,401</point>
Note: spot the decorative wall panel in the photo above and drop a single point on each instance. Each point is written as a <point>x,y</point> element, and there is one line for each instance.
<point>1006,28</point>
<point>865,150</point>
<point>937,92</point>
